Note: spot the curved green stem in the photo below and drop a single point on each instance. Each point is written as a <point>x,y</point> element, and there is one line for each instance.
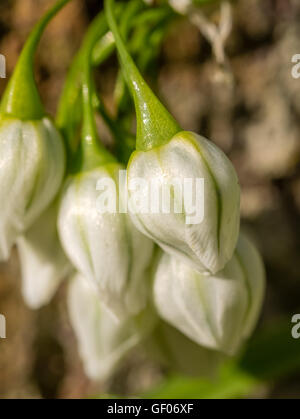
<point>145,44</point>
<point>155,125</point>
<point>103,49</point>
<point>153,16</point>
<point>94,153</point>
<point>21,98</point>
<point>106,44</point>
<point>69,107</point>
<point>69,114</point>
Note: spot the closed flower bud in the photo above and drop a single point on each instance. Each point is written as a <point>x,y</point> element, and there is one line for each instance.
<point>207,241</point>
<point>32,155</point>
<point>183,191</point>
<point>218,311</point>
<point>43,262</point>
<point>103,341</point>
<point>105,247</point>
<point>32,161</point>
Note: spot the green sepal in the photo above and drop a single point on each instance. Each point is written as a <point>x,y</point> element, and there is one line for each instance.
<point>21,98</point>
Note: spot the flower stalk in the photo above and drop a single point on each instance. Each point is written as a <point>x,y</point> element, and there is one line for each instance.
<point>155,125</point>
<point>94,153</point>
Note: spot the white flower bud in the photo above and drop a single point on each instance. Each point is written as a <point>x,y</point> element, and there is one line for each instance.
<point>43,262</point>
<point>206,243</point>
<point>103,340</point>
<point>32,165</point>
<point>218,311</point>
<point>105,247</point>
<point>181,6</point>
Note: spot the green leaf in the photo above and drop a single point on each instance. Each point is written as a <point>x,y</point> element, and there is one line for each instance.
<point>230,383</point>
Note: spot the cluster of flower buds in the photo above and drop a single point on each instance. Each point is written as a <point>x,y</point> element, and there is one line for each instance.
<point>164,273</point>
<point>43,262</point>
<point>209,281</point>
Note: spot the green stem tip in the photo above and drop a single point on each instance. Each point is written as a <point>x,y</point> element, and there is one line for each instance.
<point>21,98</point>
<point>155,125</point>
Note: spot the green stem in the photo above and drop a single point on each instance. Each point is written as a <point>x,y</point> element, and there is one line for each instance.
<point>153,16</point>
<point>130,13</point>
<point>155,125</point>
<point>145,47</point>
<point>69,111</point>
<point>106,44</point>
<point>94,153</point>
<point>21,98</point>
<point>103,49</point>
<point>69,114</point>
<point>70,104</point>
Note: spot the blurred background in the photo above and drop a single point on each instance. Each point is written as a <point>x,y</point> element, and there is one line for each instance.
<point>249,105</point>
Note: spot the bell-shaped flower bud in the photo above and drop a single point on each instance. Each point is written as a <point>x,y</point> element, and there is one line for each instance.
<point>43,262</point>
<point>32,166</point>
<point>103,340</point>
<point>102,243</point>
<point>180,354</point>
<point>95,230</point>
<point>32,155</point>
<point>218,311</point>
<point>183,191</point>
<point>197,219</point>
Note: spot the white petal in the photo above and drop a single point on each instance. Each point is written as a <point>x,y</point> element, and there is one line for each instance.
<point>102,339</point>
<point>254,273</point>
<point>43,262</point>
